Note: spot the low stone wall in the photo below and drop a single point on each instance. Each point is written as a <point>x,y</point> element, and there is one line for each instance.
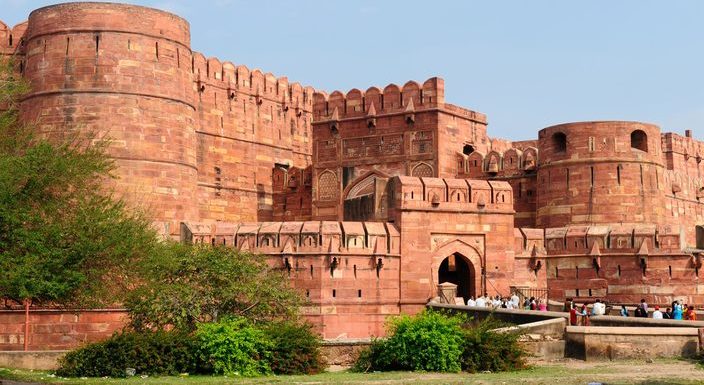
<point>44,360</point>
<point>58,329</point>
<point>342,353</point>
<point>609,320</point>
<point>513,316</point>
<point>543,340</point>
<point>605,342</point>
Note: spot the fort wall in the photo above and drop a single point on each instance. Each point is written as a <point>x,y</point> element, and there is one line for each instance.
<point>193,138</point>
<point>366,199</point>
<point>599,172</point>
<point>119,71</point>
<point>246,122</point>
<point>348,271</point>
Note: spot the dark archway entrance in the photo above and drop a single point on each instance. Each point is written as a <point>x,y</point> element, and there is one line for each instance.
<point>458,270</point>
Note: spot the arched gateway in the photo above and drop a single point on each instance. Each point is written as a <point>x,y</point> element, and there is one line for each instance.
<point>456,261</point>
<point>458,270</point>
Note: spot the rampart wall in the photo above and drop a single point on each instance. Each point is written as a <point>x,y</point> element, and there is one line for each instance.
<point>348,271</point>
<point>193,138</point>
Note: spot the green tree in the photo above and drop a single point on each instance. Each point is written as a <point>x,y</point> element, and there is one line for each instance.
<point>184,285</point>
<point>64,237</point>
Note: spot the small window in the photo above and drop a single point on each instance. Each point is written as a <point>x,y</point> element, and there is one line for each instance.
<point>359,293</point>
<point>639,140</point>
<point>559,142</point>
<point>467,149</point>
<point>699,230</point>
<point>334,293</point>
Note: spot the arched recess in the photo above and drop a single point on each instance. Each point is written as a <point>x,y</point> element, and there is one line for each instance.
<point>422,170</point>
<point>700,236</point>
<point>457,269</point>
<point>328,186</point>
<point>559,142</point>
<point>363,185</point>
<point>530,158</point>
<point>365,198</point>
<point>639,140</point>
<point>469,255</point>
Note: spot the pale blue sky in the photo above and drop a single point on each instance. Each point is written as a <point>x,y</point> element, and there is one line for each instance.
<point>526,64</point>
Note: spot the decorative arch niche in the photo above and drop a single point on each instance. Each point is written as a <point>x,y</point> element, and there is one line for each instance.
<point>422,170</point>
<point>639,140</point>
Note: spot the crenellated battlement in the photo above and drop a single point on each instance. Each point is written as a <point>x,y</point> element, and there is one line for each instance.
<point>233,80</point>
<point>514,161</point>
<point>12,39</point>
<point>465,195</point>
<point>411,97</point>
<point>305,237</point>
<point>683,145</point>
<point>637,239</point>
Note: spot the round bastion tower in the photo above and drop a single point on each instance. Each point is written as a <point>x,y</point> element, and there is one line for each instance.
<point>599,173</point>
<point>124,72</point>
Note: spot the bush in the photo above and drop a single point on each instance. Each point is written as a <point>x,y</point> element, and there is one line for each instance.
<point>160,353</point>
<point>437,342</point>
<point>375,358</point>
<point>296,348</point>
<point>234,347</point>
<point>427,341</point>
<point>488,350</point>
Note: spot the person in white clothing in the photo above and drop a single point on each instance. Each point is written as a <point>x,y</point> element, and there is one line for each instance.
<point>515,301</point>
<point>471,301</point>
<point>598,308</point>
<point>496,302</point>
<point>657,314</point>
<point>480,302</point>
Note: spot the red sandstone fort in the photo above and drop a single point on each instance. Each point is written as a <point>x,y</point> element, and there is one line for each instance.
<point>368,199</point>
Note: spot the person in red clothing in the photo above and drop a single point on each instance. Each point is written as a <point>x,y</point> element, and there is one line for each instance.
<point>691,315</point>
<point>573,315</point>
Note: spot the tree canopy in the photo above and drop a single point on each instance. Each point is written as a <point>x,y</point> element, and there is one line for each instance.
<point>183,285</point>
<point>64,237</point>
<point>67,239</point>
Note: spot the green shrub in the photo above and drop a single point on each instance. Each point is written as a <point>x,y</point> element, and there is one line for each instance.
<point>160,353</point>
<point>488,350</point>
<point>296,348</point>
<point>234,347</point>
<point>375,358</point>
<point>438,342</point>
<point>427,341</point>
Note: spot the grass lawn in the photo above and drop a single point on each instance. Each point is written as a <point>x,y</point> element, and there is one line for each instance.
<point>565,372</point>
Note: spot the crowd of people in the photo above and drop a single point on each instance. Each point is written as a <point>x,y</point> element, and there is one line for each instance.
<point>678,311</point>
<point>512,302</point>
<point>579,314</point>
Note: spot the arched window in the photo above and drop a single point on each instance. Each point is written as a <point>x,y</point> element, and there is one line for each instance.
<point>559,142</point>
<point>639,140</point>
<point>467,149</point>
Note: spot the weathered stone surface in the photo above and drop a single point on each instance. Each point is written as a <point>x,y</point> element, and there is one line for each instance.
<point>368,199</point>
